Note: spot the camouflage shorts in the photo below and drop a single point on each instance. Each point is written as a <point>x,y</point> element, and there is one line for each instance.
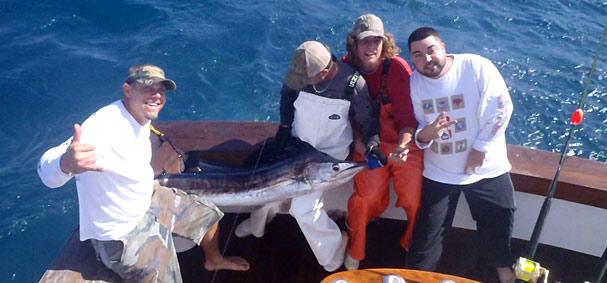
<point>147,253</point>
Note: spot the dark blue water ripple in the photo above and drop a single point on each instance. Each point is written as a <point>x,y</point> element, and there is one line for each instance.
<point>62,60</point>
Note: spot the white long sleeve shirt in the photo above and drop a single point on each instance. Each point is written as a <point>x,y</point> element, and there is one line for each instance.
<point>474,93</point>
<point>110,202</point>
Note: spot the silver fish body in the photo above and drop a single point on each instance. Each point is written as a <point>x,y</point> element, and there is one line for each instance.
<point>292,177</point>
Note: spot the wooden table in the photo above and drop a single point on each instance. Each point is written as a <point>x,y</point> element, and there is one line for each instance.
<point>378,274</point>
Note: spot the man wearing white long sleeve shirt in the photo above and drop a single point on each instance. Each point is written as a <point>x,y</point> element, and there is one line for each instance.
<point>463,107</point>
<point>128,217</point>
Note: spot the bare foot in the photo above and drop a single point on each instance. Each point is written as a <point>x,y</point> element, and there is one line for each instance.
<point>229,262</point>
<point>505,274</point>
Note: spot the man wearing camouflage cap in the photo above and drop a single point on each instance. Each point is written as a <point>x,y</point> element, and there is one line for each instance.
<point>126,214</point>
<point>318,99</point>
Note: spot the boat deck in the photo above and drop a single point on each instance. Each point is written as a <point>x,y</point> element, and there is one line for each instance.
<point>283,255</point>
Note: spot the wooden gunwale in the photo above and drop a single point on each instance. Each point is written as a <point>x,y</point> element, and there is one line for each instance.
<point>581,181</point>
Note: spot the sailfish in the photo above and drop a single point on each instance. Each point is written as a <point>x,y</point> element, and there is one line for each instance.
<point>270,174</point>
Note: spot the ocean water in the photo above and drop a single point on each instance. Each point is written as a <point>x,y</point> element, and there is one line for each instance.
<point>62,60</point>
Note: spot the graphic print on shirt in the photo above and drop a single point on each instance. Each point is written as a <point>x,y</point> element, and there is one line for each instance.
<point>457,101</point>
<point>428,106</point>
<point>442,104</point>
<point>460,126</point>
<point>501,108</point>
<point>448,133</point>
<point>461,146</point>
<point>434,147</point>
<point>446,148</point>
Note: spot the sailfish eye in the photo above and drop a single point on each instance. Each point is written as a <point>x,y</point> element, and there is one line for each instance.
<point>335,167</point>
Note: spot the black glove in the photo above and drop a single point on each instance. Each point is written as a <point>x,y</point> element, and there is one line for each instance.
<point>282,136</point>
<point>375,157</point>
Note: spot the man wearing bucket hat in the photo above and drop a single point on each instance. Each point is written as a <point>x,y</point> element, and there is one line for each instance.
<point>374,53</point>
<point>318,99</point>
<point>126,214</point>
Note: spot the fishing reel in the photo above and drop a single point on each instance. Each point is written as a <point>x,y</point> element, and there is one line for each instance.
<point>529,271</point>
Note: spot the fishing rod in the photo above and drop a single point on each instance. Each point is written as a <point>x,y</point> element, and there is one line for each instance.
<point>525,268</point>
<point>599,270</point>
<point>180,154</point>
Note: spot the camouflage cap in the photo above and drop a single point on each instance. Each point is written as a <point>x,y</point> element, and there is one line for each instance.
<point>148,75</point>
<point>368,25</point>
<point>310,58</point>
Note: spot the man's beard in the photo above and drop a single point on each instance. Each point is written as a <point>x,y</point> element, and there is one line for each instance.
<point>433,74</point>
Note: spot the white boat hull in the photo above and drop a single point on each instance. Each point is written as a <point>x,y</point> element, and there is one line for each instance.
<point>573,226</point>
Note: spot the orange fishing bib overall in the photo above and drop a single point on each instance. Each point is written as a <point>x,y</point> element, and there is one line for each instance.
<point>372,191</point>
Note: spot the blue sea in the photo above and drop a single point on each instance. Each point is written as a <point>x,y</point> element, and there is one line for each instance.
<point>62,60</point>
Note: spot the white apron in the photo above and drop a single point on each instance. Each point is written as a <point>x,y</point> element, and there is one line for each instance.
<point>323,123</point>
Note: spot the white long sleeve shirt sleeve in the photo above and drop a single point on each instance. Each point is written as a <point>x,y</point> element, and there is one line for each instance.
<point>495,106</point>
<point>49,168</point>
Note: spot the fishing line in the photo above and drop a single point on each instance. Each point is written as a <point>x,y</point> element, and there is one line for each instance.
<point>163,137</point>
<point>576,119</point>
<point>594,62</point>
<point>233,226</point>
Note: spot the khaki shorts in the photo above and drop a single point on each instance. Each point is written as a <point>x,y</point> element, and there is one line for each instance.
<point>147,253</point>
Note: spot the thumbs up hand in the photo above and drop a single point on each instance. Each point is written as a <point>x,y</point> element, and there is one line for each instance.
<point>79,157</point>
